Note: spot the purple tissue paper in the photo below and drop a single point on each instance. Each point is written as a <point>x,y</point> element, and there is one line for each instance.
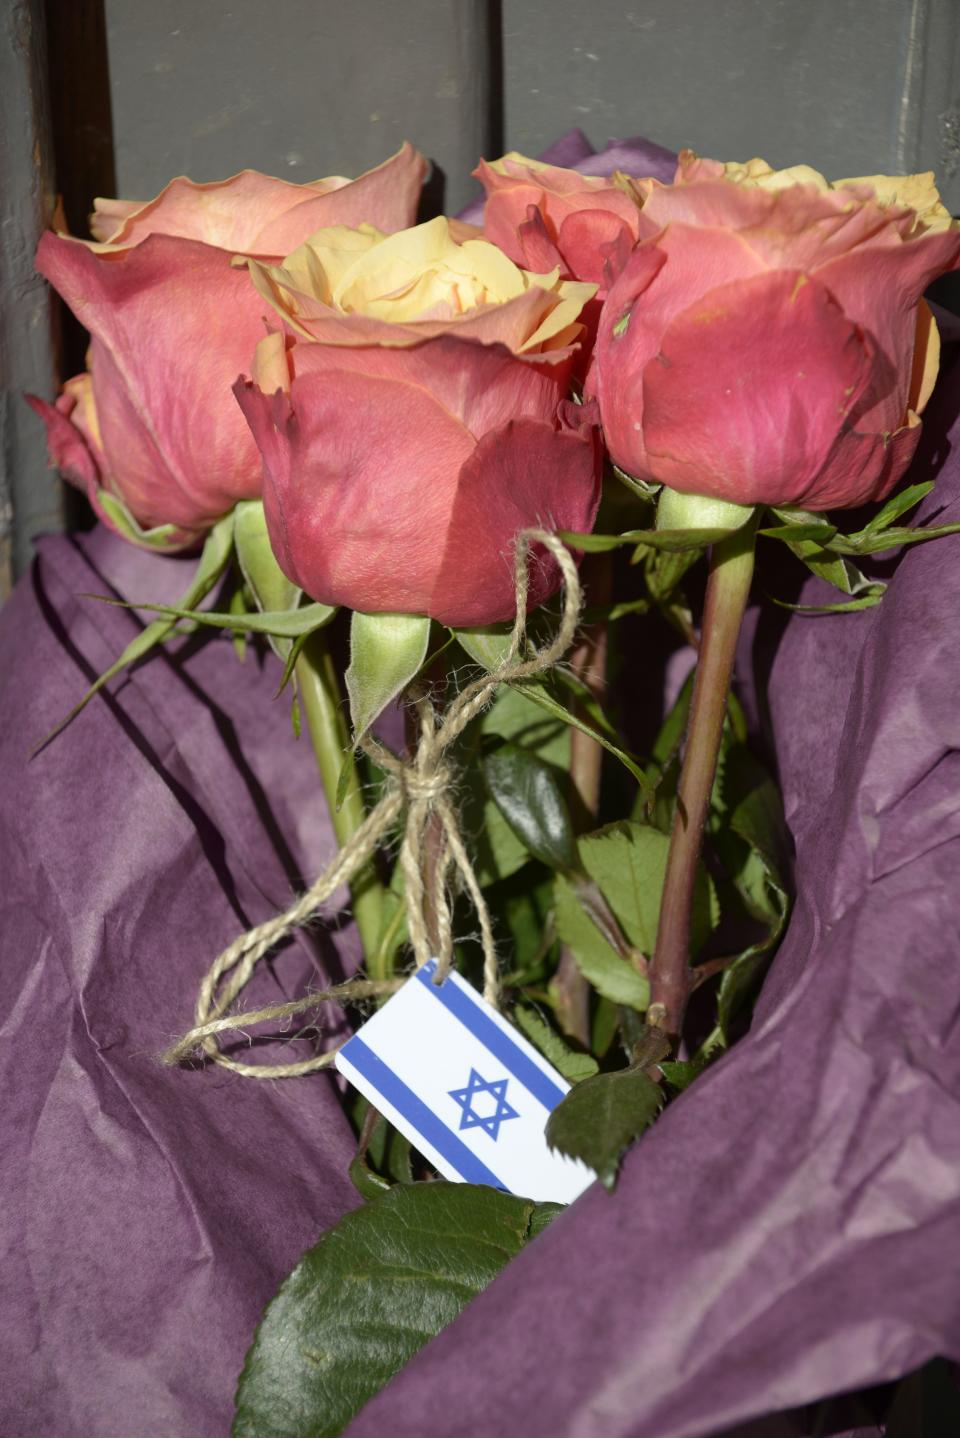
<point>147,1213</point>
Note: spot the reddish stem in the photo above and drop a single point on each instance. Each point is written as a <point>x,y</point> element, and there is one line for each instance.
<point>728,585</point>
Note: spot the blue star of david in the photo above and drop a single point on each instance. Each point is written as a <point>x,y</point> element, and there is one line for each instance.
<point>471,1118</point>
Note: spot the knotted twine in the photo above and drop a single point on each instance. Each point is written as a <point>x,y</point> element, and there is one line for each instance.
<point>422,787</point>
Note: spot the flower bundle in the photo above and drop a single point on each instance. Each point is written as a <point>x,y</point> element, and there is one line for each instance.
<point>401,432</point>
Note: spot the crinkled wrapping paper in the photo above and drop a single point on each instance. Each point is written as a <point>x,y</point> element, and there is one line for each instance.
<point>788,1230</point>
<point>147,1214</point>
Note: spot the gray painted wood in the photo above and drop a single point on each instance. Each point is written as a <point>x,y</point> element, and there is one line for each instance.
<point>851,86</point>
<point>301,89</point>
<point>31,499</point>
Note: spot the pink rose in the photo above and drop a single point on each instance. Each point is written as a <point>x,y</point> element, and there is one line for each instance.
<point>547,218</point>
<point>416,420</point>
<point>153,426</point>
<point>767,342</point>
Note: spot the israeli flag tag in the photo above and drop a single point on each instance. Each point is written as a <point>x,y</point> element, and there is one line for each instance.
<point>464,1087</point>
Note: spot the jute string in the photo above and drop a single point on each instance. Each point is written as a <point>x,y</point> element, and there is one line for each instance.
<point>422,787</point>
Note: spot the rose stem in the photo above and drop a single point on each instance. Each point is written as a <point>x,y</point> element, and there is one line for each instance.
<point>322,706</point>
<point>728,585</point>
<point>589,664</point>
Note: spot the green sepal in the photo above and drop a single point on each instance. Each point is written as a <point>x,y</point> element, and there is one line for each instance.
<point>674,541</point>
<point>387,651</point>
<point>160,537</point>
<point>642,488</point>
<point>214,557</point>
<point>364,1299</point>
<point>868,600</point>
<point>487,647</point>
<point>271,589</point>
<point>287,623</point>
<point>600,1118</point>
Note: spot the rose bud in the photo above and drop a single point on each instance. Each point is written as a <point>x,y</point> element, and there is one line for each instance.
<point>151,432</point>
<point>415,420</point>
<point>767,342</point>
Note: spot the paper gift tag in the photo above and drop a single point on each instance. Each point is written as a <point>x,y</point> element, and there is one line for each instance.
<point>464,1087</point>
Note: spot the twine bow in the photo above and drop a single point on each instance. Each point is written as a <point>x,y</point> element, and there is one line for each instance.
<point>422,788</point>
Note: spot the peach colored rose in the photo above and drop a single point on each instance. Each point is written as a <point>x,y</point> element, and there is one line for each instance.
<point>767,341</point>
<point>545,217</point>
<point>414,419</point>
<point>153,425</point>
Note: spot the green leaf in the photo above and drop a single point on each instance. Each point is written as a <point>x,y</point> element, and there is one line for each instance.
<point>611,975</point>
<point>752,841</point>
<point>819,534</point>
<point>681,1074</point>
<point>822,555</point>
<point>214,557</point>
<point>374,1290</point>
<point>537,694</point>
<point>600,1118</point>
<point>386,652</point>
<point>498,852</point>
<point>574,1067</point>
<point>238,605</point>
<point>627,861</point>
<point>640,487</point>
<point>665,570</point>
<point>515,717</point>
<point>368,1184</point>
<point>529,797</point>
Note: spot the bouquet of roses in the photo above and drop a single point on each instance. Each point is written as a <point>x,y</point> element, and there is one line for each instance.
<point>434,473</point>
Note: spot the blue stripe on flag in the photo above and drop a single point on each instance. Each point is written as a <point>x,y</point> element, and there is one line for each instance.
<point>491,1035</point>
<point>405,1101</point>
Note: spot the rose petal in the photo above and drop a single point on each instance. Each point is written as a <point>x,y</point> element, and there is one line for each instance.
<point>524,475</point>
<point>750,396</point>
<point>879,288</point>
<point>360,476</point>
<point>481,386</point>
<point>252,213</point>
<point>67,448</point>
